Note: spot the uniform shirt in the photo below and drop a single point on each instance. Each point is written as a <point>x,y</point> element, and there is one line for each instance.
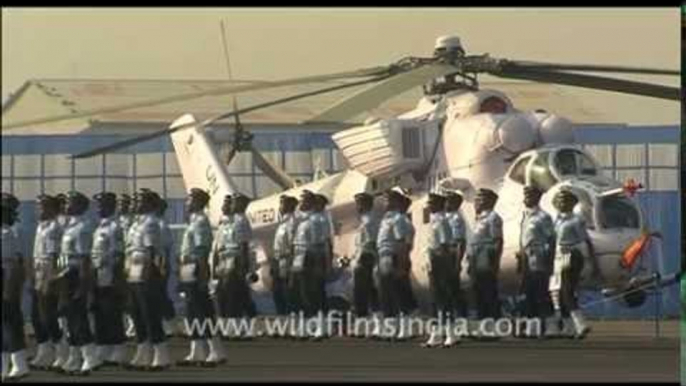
<point>10,248</point>
<point>283,238</point>
<point>393,231</point>
<point>305,238</point>
<point>488,228</point>
<point>536,231</point>
<point>167,241</point>
<point>126,221</point>
<point>46,245</point>
<point>439,232</point>
<point>76,242</point>
<point>367,232</point>
<point>197,239</point>
<point>321,230</point>
<point>457,227</point>
<point>107,248</point>
<point>570,229</point>
<point>143,234</point>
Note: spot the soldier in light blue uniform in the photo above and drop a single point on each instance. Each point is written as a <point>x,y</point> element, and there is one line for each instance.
<point>170,269</point>
<point>394,241</point>
<point>108,256</point>
<point>484,251</point>
<point>194,275</point>
<point>572,245</point>
<point>323,249</point>
<point>283,254</point>
<point>232,260</point>
<point>142,264</point>
<point>303,284</point>
<point>441,268</point>
<point>366,254</point>
<point>126,219</point>
<point>458,246</point>
<point>52,349</point>
<point>14,364</point>
<point>75,269</point>
<point>536,252</point>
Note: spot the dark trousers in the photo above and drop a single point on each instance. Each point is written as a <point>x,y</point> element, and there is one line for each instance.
<point>12,327</point>
<point>537,297</point>
<point>199,307</point>
<point>363,285</point>
<point>440,276</point>
<point>569,284</point>
<point>486,295</point>
<point>390,290</point>
<point>108,315</point>
<point>76,311</point>
<point>459,298</point>
<point>44,316</point>
<point>279,289</point>
<point>168,311</point>
<point>146,311</point>
<point>233,296</point>
<point>307,288</point>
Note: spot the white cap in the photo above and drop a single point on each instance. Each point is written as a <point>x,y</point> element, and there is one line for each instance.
<point>448,42</point>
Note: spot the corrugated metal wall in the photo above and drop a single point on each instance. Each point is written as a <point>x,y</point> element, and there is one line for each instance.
<point>32,165</point>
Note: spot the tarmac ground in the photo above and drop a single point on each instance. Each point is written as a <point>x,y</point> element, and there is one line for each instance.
<point>615,351</point>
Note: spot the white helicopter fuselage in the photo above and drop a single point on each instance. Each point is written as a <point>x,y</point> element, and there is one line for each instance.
<point>468,140</point>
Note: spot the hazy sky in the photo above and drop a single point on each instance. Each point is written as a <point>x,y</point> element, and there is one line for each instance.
<point>275,43</point>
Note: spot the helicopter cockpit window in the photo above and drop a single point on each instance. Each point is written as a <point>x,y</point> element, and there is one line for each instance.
<point>618,212</point>
<point>574,162</point>
<point>539,172</point>
<point>518,173</point>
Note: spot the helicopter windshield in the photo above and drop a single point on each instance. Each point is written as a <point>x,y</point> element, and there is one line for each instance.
<point>539,172</point>
<point>618,212</point>
<point>574,162</point>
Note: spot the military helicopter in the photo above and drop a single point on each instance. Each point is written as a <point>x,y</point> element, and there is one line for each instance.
<point>458,136</point>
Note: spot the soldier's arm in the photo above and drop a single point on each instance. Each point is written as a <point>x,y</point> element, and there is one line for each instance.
<point>498,236</point>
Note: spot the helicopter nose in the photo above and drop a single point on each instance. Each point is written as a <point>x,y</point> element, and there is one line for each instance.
<point>617,255</point>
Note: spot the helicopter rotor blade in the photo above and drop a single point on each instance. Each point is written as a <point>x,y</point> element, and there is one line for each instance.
<point>231,155</point>
<point>367,72</point>
<point>375,95</point>
<point>591,82</point>
<point>146,137</point>
<point>531,65</point>
<point>270,170</point>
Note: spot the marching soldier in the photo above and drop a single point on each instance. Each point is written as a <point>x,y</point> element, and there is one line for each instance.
<point>62,217</point>
<point>142,267</point>
<point>307,265</point>
<point>393,242</point>
<point>167,241</point>
<point>108,256</point>
<point>14,364</point>
<point>283,254</point>
<point>458,246</point>
<point>406,299</point>
<point>52,349</point>
<point>126,219</point>
<point>440,271</point>
<point>535,257</point>
<point>484,251</point>
<point>572,246</point>
<point>233,266</point>
<point>75,271</point>
<point>366,254</point>
<point>194,276</point>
